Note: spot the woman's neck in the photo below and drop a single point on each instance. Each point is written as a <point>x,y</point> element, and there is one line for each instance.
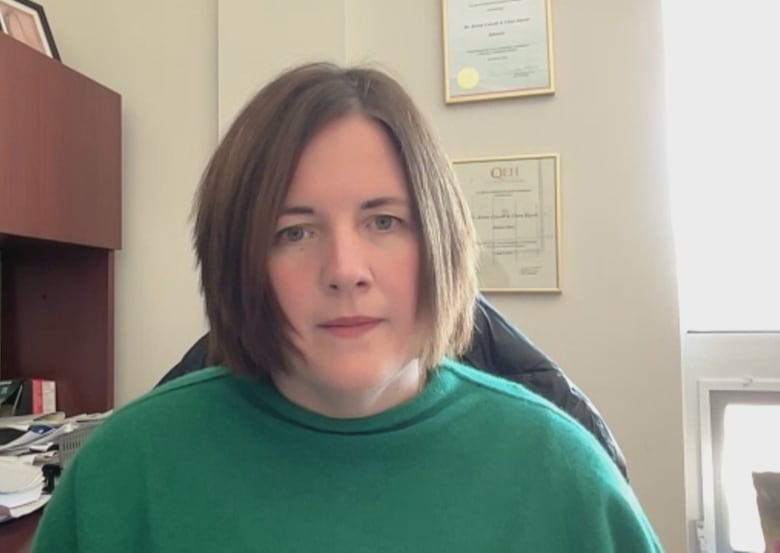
<point>332,402</point>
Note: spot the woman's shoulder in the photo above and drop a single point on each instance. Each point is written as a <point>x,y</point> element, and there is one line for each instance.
<point>186,391</point>
<point>527,421</point>
<point>503,393</point>
<point>169,412</point>
<point>541,439</point>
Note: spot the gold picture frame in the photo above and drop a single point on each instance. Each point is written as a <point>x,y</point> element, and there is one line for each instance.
<point>515,205</point>
<point>496,49</point>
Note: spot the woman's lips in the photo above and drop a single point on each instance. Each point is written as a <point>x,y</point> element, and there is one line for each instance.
<point>350,327</point>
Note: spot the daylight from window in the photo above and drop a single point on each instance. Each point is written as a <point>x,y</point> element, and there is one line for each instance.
<point>724,141</point>
<point>749,445</point>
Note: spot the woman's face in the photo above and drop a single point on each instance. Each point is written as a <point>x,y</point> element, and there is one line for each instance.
<point>345,268</point>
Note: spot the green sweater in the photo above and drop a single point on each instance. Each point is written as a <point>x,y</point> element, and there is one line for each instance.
<point>213,462</point>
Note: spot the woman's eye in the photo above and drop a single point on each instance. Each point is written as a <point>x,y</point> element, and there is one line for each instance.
<point>291,234</point>
<point>384,222</point>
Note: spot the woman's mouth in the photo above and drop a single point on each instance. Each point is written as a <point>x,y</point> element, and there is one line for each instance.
<point>350,327</point>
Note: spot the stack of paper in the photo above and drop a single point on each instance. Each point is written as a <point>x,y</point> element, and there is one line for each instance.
<point>26,444</point>
<point>21,487</point>
<point>39,433</point>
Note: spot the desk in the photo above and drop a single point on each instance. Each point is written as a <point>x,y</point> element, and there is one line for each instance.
<point>16,535</point>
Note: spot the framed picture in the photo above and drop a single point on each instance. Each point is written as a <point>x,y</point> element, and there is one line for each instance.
<point>515,204</point>
<point>497,49</point>
<point>26,22</point>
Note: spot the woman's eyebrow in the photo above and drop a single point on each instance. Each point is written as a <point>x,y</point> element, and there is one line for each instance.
<point>383,201</point>
<point>297,210</point>
<point>373,203</point>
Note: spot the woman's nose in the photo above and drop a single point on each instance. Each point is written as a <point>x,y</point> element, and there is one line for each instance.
<point>345,262</point>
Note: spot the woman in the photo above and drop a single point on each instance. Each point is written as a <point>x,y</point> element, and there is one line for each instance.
<point>337,264</point>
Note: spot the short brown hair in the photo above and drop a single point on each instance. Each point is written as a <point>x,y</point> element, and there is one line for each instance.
<point>244,188</point>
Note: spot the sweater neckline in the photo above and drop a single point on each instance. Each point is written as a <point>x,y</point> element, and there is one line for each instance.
<point>438,390</point>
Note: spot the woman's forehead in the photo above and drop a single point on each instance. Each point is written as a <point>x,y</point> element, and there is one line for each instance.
<point>352,158</point>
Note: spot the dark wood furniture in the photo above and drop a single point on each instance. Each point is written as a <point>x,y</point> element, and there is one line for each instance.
<point>60,222</point>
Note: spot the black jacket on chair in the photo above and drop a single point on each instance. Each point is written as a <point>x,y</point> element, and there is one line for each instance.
<point>498,348</point>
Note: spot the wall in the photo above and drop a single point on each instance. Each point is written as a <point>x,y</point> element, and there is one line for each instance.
<point>614,328</point>
<point>161,57</point>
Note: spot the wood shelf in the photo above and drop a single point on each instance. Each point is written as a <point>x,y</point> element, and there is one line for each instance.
<point>60,154</point>
<point>60,223</point>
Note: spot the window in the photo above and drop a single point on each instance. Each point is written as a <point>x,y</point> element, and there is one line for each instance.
<point>744,418</point>
<point>722,136</point>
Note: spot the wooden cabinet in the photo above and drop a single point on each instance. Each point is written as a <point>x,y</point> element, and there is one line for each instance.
<point>60,164</point>
<point>60,222</point>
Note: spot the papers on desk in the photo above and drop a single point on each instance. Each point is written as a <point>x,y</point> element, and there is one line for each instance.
<point>37,434</point>
<point>27,443</point>
<point>16,476</point>
<point>20,434</point>
<point>36,437</point>
<point>21,488</point>
<point>10,513</point>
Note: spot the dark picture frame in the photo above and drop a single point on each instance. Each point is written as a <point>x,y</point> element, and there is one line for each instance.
<point>26,22</point>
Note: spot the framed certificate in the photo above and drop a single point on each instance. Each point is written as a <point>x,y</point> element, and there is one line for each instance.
<point>496,49</point>
<point>515,205</point>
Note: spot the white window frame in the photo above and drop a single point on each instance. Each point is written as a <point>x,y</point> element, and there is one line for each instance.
<point>706,387</point>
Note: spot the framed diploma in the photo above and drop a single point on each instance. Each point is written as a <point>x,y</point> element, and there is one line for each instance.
<point>496,49</point>
<point>515,205</point>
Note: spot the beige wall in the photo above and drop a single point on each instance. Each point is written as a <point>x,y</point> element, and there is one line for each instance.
<point>183,72</point>
<point>161,57</point>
